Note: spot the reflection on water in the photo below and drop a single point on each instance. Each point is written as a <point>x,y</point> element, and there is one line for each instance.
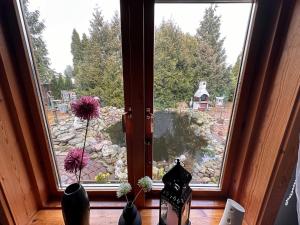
<point>174,134</point>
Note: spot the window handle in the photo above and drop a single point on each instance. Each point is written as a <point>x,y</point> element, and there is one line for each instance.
<point>126,117</point>
<point>149,123</point>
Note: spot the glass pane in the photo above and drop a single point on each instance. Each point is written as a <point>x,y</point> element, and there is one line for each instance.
<point>185,214</point>
<point>77,50</point>
<point>168,213</point>
<point>197,57</point>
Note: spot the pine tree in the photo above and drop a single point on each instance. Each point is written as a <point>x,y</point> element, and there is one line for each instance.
<point>76,50</point>
<point>209,31</point>
<point>100,70</point>
<point>68,73</point>
<point>60,84</point>
<point>210,48</point>
<point>36,28</point>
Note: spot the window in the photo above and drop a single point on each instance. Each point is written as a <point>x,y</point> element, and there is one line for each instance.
<point>197,59</point>
<point>198,51</point>
<point>78,53</point>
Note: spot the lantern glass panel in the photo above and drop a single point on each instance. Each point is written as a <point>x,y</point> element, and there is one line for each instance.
<point>164,211</point>
<point>185,214</point>
<point>168,213</point>
<point>172,217</point>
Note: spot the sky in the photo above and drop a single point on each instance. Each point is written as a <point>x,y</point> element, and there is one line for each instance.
<point>61,16</point>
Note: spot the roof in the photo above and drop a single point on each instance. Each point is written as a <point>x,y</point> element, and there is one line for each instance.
<point>178,173</point>
<point>201,92</point>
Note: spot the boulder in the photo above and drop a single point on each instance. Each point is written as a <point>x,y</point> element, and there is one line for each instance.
<point>110,150</point>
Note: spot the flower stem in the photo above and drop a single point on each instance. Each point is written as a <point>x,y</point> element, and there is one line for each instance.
<point>76,174</point>
<point>83,149</point>
<point>126,198</point>
<point>137,195</point>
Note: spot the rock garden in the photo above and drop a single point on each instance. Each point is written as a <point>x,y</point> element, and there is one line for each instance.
<point>197,138</point>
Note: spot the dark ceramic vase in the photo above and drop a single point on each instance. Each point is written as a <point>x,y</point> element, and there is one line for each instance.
<point>130,215</point>
<point>75,205</point>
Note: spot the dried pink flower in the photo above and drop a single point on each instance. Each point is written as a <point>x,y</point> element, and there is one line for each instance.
<point>73,159</point>
<point>86,108</point>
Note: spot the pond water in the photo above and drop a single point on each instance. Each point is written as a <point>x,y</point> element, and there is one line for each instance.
<point>174,134</point>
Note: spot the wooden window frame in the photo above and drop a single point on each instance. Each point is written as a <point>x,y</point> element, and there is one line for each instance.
<point>265,47</point>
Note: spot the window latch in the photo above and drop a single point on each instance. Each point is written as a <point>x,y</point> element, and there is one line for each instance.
<point>126,117</point>
<point>149,127</point>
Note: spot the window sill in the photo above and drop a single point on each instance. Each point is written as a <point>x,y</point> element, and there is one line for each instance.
<point>111,216</point>
<point>150,204</point>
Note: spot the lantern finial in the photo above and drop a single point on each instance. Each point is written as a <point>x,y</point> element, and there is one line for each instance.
<point>178,161</point>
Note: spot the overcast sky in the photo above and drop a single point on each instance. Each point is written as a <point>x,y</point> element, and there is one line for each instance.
<point>61,16</point>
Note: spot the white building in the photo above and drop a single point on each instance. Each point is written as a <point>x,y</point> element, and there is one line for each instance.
<point>200,100</point>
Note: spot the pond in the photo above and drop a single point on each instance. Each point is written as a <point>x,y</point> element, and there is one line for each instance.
<point>174,134</point>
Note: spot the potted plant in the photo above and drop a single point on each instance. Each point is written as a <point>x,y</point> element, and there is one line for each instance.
<point>130,215</point>
<point>75,202</point>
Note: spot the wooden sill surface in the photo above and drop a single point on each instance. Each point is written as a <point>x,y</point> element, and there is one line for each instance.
<point>150,204</point>
<point>111,216</point>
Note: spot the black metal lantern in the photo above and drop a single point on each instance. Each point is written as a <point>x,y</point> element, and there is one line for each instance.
<point>175,197</point>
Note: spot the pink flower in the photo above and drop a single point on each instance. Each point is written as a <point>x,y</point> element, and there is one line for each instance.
<point>86,108</point>
<point>73,159</point>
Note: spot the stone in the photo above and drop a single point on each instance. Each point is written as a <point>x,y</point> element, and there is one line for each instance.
<point>106,142</point>
<point>155,170</point>
<point>210,171</point>
<point>205,180</point>
<point>65,137</point>
<point>121,176</point>
<point>110,169</point>
<point>110,150</point>
<point>98,146</point>
<point>91,140</point>
<point>202,170</point>
<point>94,156</point>
<point>119,163</point>
<point>75,141</point>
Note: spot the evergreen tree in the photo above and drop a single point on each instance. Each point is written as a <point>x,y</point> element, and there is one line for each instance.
<point>209,31</point>
<point>210,48</point>
<point>61,83</point>
<point>55,91</point>
<point>68,84</point>
<point>76,50</point>
<point>68,73</point>
<point>112,82</point>
<point>36,27</point>
<point>234,75</point>
<point>173,76</point>
<point>100,70</point>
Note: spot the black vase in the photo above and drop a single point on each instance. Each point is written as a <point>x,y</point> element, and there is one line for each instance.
<point>75,205</point>
<point>130,215</point>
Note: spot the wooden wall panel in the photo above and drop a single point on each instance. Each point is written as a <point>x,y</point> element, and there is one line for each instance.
<point>276,111</point>
<point>14,178</point>
<point>16,80</point>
